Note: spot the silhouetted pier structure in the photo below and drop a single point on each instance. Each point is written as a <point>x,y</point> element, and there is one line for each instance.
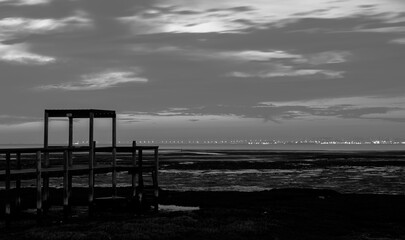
<point>41,164</point>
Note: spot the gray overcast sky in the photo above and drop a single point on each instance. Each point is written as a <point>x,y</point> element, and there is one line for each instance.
<point>288,69</point>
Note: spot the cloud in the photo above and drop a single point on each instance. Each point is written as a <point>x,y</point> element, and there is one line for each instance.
<point>17,26</point>
<point>174,117</point>
<point>398,41</point>
<point>256,55</point>
<point>270,64</point>
<point>270,60</point>
<point>393,29</point>
<point>205,53</point>
<point>365,108</point>
<point>329,57</point>
<point>25,2</point>
<point>14,27</point>
<point>278,70</point>
<point>98,81</point>
<point>362,101</point>
<point>179,23</point>
<point>176,19</point>
<point>20,54</point>
<point>180,16</point>
<point>368,107</point>
<point>274,113</point>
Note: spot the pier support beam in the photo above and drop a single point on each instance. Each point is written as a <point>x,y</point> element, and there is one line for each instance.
<point>66,189</point>
<point>8,192</point>
<point>140,177</point>
<point>46,162</point>
<point>91,164</point>
<point>114,157</point>
<point>134,173</point>
<point>39,189</point>
<point>155,175</point>
<point>18,185</point>
<point>70,154</point>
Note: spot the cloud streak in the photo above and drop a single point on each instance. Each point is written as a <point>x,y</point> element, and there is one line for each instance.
<point>25,2</point>
<point>274,113</point>
<point>328,57</point>
<point>285,71</point>
<point>20,54</point>
<point>98,81</point>
<point>14,27</point>
<point>370,108</point>
<point>398,41</point>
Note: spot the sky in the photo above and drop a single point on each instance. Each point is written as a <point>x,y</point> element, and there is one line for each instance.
<point>204,69</point>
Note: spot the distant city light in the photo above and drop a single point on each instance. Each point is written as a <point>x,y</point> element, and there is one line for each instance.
<point>265,142</point>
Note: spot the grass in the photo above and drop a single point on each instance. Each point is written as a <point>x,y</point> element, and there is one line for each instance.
<point>225,224</point>
<point>213,223</point>
<point>286,214</point>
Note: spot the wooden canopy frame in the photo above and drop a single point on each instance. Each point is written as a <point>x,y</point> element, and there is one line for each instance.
<point>91,114</point>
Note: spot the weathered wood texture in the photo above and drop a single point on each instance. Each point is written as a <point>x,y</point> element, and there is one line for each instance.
<point>137,168</point>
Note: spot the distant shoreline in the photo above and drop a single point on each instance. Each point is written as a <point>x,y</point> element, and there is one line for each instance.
<point>255,147</point>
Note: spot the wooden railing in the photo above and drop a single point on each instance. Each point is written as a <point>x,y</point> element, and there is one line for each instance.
<point>37,166</point>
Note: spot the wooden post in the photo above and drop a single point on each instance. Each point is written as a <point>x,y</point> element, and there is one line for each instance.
<point>114,172</point>
<point>140,176</point>
<point>46,161</point>
<point>39,189</point>
<point>114,131</point>
<point>134,169</point>
<point>8,192</point>
<point>46,129</point>
<point>91,164</point>
<point>114,157</point>
<point>156,178</point>
<point>70,153</point>
<point>18,185</point>
<point>94,155</point>
<point>66,190</point>
<point>70,141</point>
<point>140,163</point>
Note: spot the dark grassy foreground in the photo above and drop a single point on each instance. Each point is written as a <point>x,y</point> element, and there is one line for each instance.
<point>276,214</point>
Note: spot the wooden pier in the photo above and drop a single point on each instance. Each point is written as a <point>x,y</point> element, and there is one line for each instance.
<point>41,164</point>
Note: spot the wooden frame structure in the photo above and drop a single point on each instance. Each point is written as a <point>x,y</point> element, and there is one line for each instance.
<point>72,114</point>
<point>43,170</point>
